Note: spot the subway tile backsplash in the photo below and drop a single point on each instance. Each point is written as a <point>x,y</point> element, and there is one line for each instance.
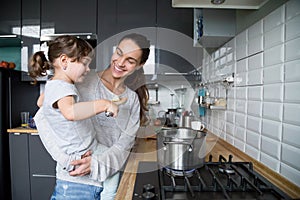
<point>291,135</point>
<point>253,139</point>
<point>273,74</point>
<point>273,111</point>
<point>254,124</point>
<point>263,106</point>
<point>270,147</point>
<point>271,129</point>
<point>274,55</point>
<point>274,37</point>
<point>289,92</point>
<point>292,71</point>
<point>293,28</point>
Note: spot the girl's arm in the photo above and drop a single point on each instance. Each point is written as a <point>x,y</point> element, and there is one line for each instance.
<point>83,110</point>
<point>40,100</point>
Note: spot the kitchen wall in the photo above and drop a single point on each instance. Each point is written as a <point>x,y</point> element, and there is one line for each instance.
<point>262,117</point>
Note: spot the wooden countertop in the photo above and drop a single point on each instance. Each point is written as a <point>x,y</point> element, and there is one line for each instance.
<point>22,130</point>
<point>145,150</point>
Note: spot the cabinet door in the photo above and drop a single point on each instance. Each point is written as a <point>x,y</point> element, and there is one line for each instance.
<point>42,169</point>
<point>135,14</point>
<point>19,166</point>
<point>68,16</point>
<point>178,19</point>
<point>30,31</point>
<point>175,50</point>
<point>10,17</point>
<point>107,19</point>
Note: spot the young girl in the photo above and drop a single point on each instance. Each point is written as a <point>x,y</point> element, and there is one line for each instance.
<point>69,119</point>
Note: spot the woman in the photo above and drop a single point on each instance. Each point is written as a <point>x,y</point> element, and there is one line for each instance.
<point>117,134</point>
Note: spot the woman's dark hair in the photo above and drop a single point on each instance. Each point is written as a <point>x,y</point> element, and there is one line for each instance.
<point>137,81</point>
<point>73,47</point>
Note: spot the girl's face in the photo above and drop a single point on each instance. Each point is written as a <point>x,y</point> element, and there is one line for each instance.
<point>78,70</point>
<point>126,59</point>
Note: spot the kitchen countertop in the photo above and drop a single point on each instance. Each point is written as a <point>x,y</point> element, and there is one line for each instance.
<point>145,150</point>
<point>22,130</point>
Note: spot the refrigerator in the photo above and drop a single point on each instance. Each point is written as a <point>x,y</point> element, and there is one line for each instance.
<point>16,96</point>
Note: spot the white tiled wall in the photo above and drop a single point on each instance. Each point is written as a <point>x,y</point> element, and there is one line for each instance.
<point>263,107</point>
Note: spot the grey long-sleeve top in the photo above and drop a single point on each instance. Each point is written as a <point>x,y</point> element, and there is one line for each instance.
<point>116,135</point>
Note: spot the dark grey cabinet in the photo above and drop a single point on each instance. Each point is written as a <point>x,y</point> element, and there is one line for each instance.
<point>68,16</point>
<point>179,24</point>
<point>10,17</point>
<point>30,31</point>
<point>177,19</point>
<point>42,169</point>
<point>115,16</point>
<point>106,19</point>
<point>135,14</point>
<point>19,166</point>
<point>32,168</point>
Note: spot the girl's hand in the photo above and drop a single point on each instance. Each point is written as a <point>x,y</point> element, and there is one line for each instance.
<point>82,166</point>
<point>120,101</point>
<point>112,110</point>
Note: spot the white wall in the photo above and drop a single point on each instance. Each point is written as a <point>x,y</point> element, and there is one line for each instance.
<point>262,117</point>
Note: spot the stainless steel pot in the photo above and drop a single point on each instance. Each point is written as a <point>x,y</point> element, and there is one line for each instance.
<point>181,149</point>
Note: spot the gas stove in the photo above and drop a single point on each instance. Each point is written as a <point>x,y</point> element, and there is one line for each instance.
<point>224,179</point>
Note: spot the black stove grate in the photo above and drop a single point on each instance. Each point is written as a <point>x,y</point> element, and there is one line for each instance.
<point>215,180</point>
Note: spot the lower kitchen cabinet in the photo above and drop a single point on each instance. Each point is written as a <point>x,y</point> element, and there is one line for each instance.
<point>32,168</point>
<point>42,169</point>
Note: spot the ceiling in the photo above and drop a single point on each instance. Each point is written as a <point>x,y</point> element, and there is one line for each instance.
<point>228,4</point>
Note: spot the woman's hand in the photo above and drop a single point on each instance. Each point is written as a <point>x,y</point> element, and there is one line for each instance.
<point>82,166</point>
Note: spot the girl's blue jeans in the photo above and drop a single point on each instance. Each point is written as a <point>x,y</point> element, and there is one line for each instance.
<point>65,190</point>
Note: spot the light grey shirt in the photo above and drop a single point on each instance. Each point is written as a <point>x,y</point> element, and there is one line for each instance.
<point>73,137</point>
<point>117,135</point>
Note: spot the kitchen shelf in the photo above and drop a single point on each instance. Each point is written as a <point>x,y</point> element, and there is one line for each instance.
<point>217,107</point>
<point>153,102</point>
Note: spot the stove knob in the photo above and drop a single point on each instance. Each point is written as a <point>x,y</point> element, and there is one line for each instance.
<point>148,188</point>
<point>148,196</point>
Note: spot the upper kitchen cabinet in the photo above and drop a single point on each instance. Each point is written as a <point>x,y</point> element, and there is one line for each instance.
<point>10,17</point>
<point>178,19</point>
<point>107,19</point>
<point>175,51</point>
<point>68,16</point>
<point>214,27</point>
<point>116,16</point>
<point>135,14</point>
<point>30,32</point>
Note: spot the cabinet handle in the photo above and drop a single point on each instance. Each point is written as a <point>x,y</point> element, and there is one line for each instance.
<point>43,175</point>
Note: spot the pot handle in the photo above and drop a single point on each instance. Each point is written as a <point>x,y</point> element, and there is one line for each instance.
<point>178,142</point>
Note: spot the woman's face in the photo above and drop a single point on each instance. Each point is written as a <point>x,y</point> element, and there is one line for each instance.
<point>126,59</point>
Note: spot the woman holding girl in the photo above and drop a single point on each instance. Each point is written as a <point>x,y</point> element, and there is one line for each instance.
<point>116,135</point>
